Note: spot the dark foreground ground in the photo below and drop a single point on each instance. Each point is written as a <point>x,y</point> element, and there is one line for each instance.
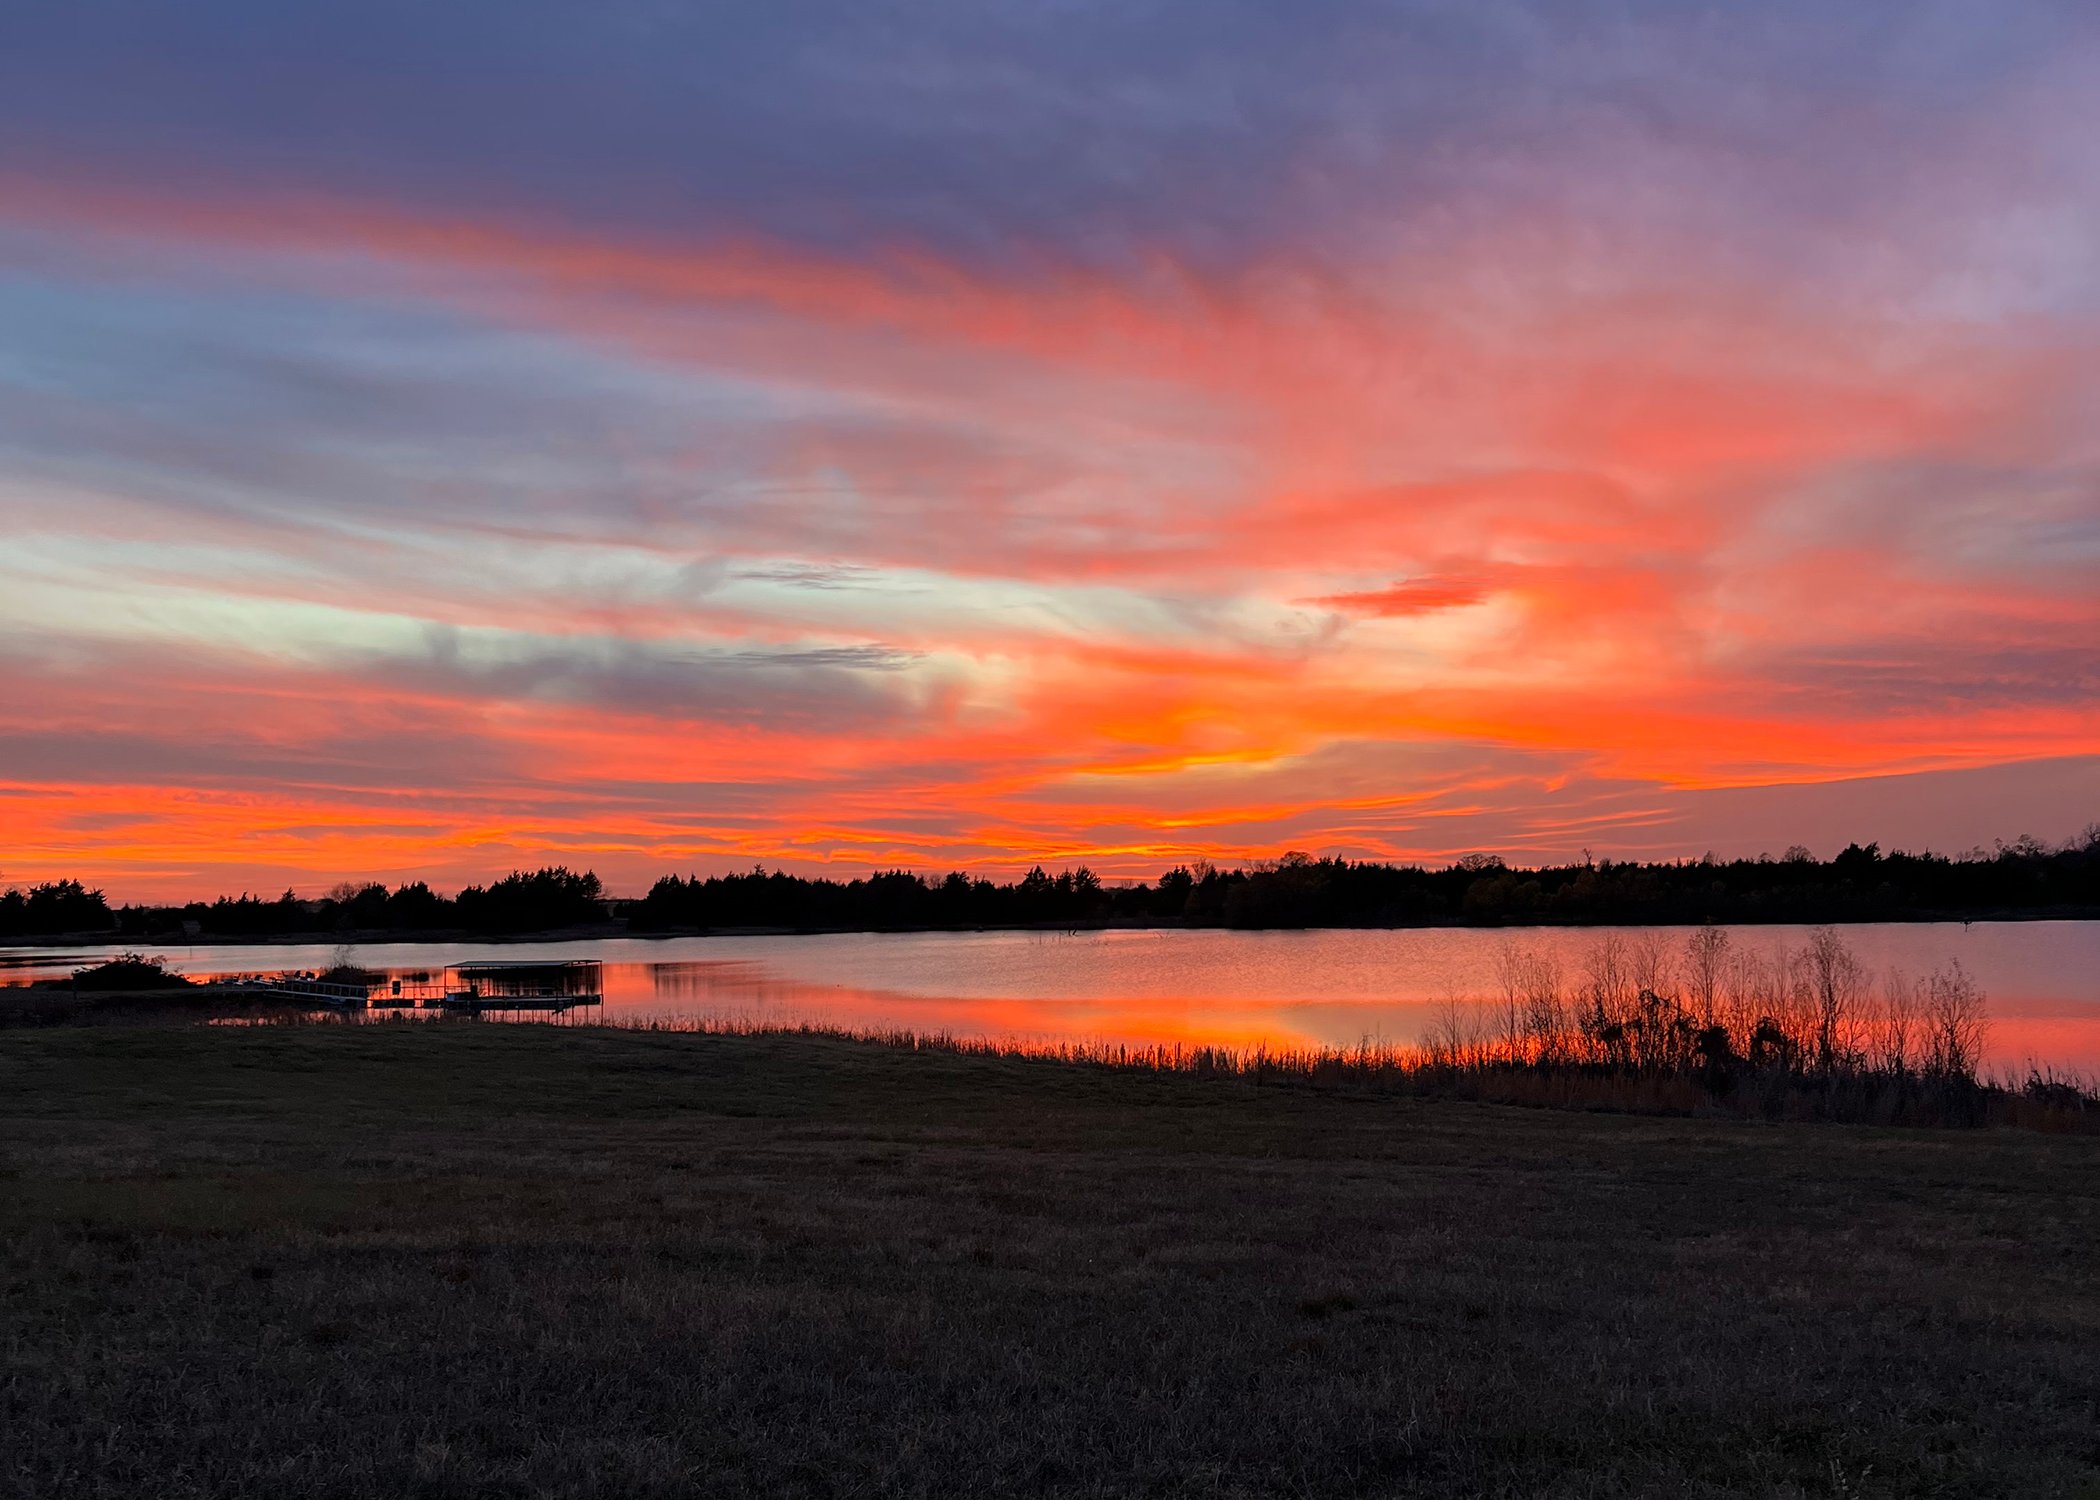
<point>468,1260</point>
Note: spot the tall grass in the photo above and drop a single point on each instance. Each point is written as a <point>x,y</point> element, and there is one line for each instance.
<point>1699,1024</point>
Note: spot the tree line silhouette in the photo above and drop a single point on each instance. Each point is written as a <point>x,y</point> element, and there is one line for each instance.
<point>2024,877</point>
<point>543,900</point>
<point>1860,884</point>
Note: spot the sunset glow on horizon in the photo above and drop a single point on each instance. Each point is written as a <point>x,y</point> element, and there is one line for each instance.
<point>441,440</point>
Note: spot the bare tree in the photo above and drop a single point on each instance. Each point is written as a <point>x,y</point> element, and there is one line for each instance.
<point>1835,979</point>
<point>1705,968</point>
<point>1787,1009</point>
<point>1609,992</point>
<point>1455,1037</point>
<point>1750,984</point>
<point>1956,1023</point>
<point>1545,1016</point>
<point>1650,962</point>
<point>1512,967</point>
<point>1900,1018</point>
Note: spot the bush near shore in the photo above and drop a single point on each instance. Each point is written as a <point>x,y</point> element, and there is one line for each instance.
<point>129,971</point>
<point>1785,1032</point>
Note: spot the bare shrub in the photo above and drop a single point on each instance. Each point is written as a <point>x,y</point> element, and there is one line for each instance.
<point>1900,1020</point>
<point>1835,981</point>
<point>1956,1024</point>
<point>1530,1015</point>
<point>1456,1037</point>
<point>1793,1010</point>
<point>1607,994</point>
<point>1650,963</point>
<point>1545,1013</point>
<point>1705,970</point>
<point>1511,963</point>
<point>1747,982</point>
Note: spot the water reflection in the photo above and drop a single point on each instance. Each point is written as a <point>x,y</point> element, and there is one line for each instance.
<point>1286,989</point>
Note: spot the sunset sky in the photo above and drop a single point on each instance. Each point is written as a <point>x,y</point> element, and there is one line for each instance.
<point>661,436</point>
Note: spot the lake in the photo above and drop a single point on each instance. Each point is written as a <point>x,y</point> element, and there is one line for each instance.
<point>1287,989</point>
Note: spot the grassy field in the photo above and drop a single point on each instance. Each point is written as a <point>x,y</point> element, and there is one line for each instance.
<point>484,1260</point>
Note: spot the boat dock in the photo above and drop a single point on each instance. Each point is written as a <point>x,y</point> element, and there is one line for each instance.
<point>460,989</point>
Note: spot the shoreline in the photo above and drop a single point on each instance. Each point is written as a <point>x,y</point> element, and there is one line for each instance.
<point>1561,1078</point>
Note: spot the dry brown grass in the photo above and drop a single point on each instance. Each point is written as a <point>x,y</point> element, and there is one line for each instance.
<point>462,1260</point>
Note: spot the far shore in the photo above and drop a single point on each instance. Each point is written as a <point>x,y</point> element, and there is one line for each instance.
<point>455,937</point>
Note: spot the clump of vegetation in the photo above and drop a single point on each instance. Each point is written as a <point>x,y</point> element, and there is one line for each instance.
<point>343,968</point>
<point>1802,1032</point>
<point>129,971</point>
<point>349,974</point>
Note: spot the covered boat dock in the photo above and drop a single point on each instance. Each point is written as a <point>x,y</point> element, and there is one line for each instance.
<point>461,989</point>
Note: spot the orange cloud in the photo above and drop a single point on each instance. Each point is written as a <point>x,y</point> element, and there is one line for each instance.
<point>1115,497</point>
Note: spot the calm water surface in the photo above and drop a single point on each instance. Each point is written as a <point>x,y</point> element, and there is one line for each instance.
<point>1283,988</point>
